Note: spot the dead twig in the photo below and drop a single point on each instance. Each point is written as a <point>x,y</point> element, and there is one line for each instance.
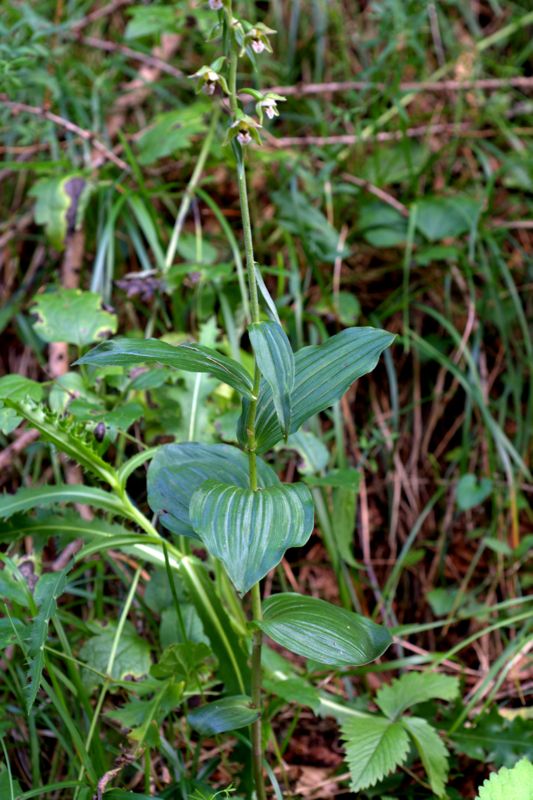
<point>381,194</point>
<point>485,84</point>
<point>151,61</point>
<point>87,136</point>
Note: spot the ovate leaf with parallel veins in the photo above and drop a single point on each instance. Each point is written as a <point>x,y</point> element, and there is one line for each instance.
<point>177,470</point>
<point>223,715</point>
<point>190,357</point>
<point>432,751</point>
<point>319,630</point>
<point>275,360</point>
<point>323,373</point>
<point>375,746</point>
<point>250,531</point>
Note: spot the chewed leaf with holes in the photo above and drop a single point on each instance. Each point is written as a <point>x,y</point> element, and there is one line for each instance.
<point>60,205</point>
<point>323,373</point>
<point>250,531</point>
<point>319,630</point>
<point>190,357</point>
<point>73,316</point>
<point>177,470</point>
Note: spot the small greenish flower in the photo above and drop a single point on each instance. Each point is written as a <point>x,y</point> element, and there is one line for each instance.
<point>257,38</point>
<point>268,104</point>
<point>208,78</point>
<point>244,130</point>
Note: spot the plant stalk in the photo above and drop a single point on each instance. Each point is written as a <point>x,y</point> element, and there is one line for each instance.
<point>257,614</point>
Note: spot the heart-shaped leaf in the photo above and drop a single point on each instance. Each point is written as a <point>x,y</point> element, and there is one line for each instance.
<point>323,374</point>
<point>250,531</point>
<point>190,357</point>
<point>321,631</point>
<point>471,492</point>
<point>275,360</point>
<point>177,470</point>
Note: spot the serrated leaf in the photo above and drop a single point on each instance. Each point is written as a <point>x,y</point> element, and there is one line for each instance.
<point>250,531</point>
<point>43,496</point>
<point>323,373</point>
<point>321,631</point>
<point>73,316</point>
<point>177,470</point>
<point>49,587</point>
<point>17,387</point>
<point>190,357</point>
<point>375,746</point>
<point>275,359</point>
<point>432,752</point>
<point>220,716</point>
<point>509,784</point>
<point>413,688</point>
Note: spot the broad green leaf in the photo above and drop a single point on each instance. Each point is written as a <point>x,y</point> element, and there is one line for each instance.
<point>441,217</point>
<point>294,690</point>
<point>150,20</point>
<point>346,478</point>
<point>171,131</point>
<point>9,787</point>
<point>132,656</point>
<point>413,688</point>
<point>73,316</point>
<point>343,522</point>
<point>323,632</point>
<point>323,374</point>
<point>60,205</point>
<point>17,387</point>
<point>180,661</point>
<point>170,628</point>
<point>9,420</point>
<point>223,715</point>
<point>432,751</point>
<point>49,587</point>
<point>189,357</point>
<point>471,492</point>
<point>275,359</point>
<point>509,784</point>
<point>177,470</point>
<point>250,531</point>
<point>312,451</point>
<point>494,739</point>
<point>43,496</point>
<point>374,748</point>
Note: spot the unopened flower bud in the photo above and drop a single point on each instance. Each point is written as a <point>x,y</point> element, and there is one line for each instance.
<point>215,5</point>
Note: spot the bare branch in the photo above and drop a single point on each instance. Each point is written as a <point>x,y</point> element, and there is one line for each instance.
<point>87,136</point>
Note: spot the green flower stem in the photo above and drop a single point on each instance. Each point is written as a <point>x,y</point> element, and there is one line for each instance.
<point>189,191</point>
<point>257,728</point>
